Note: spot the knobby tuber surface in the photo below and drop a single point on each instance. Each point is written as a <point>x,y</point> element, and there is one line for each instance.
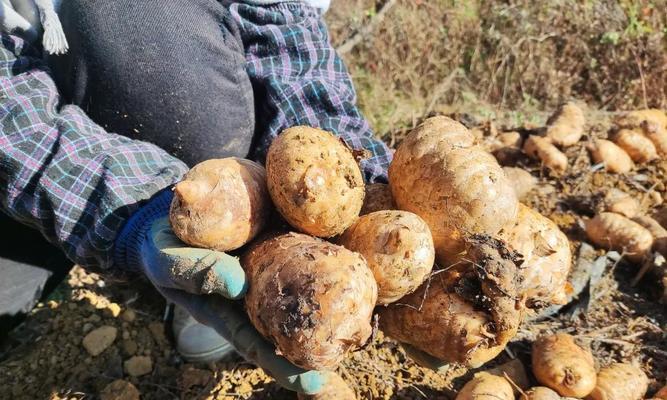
<point>546,254</point>
<point>221,204</point>
<point>620,381</point>
<point>455,186</point>
<point>311,298</point>
<point>398,248</point>
<point>466,316</point>
<point>560,364</point>
<point>314,181</point>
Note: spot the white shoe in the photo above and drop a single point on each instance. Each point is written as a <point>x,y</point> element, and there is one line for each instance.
<point>198,343</point>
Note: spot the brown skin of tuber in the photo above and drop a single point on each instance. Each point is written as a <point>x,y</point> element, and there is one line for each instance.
<point>546,253</point>
<point>542,149</point>
<point>456,187</point>
<point>465,317</point>
<point>560,364</point>
<point>620,381</point>
<point>657,231</point>
<point>398,248</point>
<point>540,393</point>
<point>615,159</point>
<point>521,180</point>
<point>378,198</point>
<point>515,372</point>
<point>661,394</point>
<point>484,386</point>
<point>335,389</point>
<point>639,147</point>
<point>221,204</point>
<point>314,181</point>
<point>634,119</point>
<point>616,232</point>
<point>311,298</point>
<point>656,134</point>
<point>566,126</point>
<point>619,202</point>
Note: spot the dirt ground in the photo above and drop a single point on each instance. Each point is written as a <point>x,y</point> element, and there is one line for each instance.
<point>50,359</point>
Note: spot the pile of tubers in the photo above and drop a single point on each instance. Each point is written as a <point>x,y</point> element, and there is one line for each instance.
<point>338,251</point>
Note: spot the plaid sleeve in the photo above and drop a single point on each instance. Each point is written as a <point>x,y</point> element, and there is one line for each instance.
<point>299,79</point>
<point>63,174</point>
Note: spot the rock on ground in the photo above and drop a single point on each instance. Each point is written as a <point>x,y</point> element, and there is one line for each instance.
<point>138,365</point>
<point>99,339</point>
<point>120,390</point>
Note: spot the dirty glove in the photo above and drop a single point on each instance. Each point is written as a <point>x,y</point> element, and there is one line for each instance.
<point>187,275</point>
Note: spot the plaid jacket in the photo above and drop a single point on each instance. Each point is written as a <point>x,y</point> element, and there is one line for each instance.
<point>77,184</point>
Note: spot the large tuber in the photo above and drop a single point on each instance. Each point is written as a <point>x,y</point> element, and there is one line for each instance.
<point>398,248</point>
<point>466,316</point>
<point>560,364</point>
<point>221,204</point>
<point>455,186</point>
<point>311,298</point>
<point>314,181</point>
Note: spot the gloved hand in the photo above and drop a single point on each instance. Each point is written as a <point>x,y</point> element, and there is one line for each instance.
<point>204,282</point>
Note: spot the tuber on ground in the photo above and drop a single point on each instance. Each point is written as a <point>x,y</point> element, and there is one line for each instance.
<point>314,181</point>
<point>656,134</point>
<point>506,147</point>
<point>546,253</point>
<point>221,204</point>
<point>515,372</point>
<point>521,180</point>
<point>540,148</point>
<point>540,393</point>
<point>560,364</point>
<point>484,386</point>
<point>378,198</point>
<point>455,186</point>
<point>398,248</point>
<point>619,202</point>
<point>464,315</point>
<point>633,119</point>
<point>616,232</point>
<point>566,126</point>
<point>335,389</point>
<point>639,147</point>
<point>311,298</point>
<point>620,381</point>
<point>657,231</point>
<point>615,159</point>
<point>661,394</point>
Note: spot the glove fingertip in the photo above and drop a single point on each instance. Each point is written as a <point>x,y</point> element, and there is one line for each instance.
<point>231,280</point>
<point>311,382</point>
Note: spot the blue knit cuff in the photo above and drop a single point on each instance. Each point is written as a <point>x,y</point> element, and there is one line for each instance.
<point>131,239</point>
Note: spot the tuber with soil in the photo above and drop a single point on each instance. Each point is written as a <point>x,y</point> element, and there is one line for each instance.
<point>620,381</point>
<point>616,232</point>
<point>484,386</point>
<point>311,298</point>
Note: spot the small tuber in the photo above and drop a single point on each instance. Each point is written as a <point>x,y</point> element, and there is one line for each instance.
<point>378,198</point>
<point>455,186</point>
<point>656,134</point>
<point>398,248</point>
<point>484,386</point>
<point>546,253</point>
<point>661,394</point>
<point>566,126</point>
<point>221,204</point>
<point>619,202</point>
<point>311,298</point>
<point>616,232</point>
<point>657,231</point>
<point>615,159</point>
<point>633,119</point>
<point>640,148</point>
<point>560,364</point>
<point>314,181</point>
<point>515,372</point>
<point>542,149</point>
<point>620,381</point>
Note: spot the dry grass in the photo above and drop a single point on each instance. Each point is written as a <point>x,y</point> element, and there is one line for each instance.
<point>486,56</point>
